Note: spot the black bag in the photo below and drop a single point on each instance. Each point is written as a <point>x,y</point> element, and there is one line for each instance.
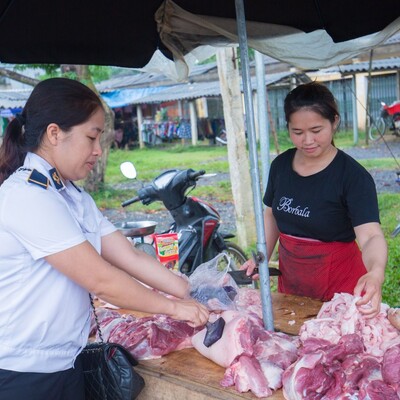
<point>108,370</point>
<point>109,374</point>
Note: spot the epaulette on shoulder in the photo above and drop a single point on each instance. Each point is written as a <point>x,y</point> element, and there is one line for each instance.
<point>38,179</point>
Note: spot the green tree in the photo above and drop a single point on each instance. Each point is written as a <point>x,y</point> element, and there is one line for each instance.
<point>87,75</point>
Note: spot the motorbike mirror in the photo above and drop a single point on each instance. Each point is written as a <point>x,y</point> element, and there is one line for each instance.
<point>128,170</point>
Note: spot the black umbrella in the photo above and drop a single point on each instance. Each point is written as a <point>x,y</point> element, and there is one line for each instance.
<point>125,33</point>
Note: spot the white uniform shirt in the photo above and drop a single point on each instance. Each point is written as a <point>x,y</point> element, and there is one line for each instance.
<point>44,316</point>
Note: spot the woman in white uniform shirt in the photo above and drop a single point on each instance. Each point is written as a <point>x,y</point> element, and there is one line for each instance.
<point>56,247</point>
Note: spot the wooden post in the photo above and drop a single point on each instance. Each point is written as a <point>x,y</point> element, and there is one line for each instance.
<point>239,167</point>
<point>139,115</point>
<point>193,122</point>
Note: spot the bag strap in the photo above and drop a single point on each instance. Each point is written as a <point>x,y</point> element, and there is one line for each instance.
<point>96,319</point>
<point>127,354</point>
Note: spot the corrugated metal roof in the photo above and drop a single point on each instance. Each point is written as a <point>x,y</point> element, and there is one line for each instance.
<point>202,69</point>
<point>13,99</point>
<point>200,89</point>
<point>147,79</point>
<point>159,94</point>
<point>129,81</point>
<point>183,91</point>
<point>377,65</point>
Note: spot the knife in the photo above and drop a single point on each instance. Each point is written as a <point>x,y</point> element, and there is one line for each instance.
<point>241,277</point>
<point>214,331</point>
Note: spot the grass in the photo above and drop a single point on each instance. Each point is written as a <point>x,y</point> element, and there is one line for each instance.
<point>389,206</point>
<point>150,162</point>
<point>381,163</point>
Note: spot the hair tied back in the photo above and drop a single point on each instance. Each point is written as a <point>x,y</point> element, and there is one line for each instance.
<point>21,119</point>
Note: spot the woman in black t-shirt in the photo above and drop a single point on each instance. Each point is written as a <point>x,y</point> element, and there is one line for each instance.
<point>322,206</point>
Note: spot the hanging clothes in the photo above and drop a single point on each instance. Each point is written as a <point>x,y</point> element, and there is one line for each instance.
<point>184,130</point>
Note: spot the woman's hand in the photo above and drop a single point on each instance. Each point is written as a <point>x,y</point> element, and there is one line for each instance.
<point>374,254</point>
<point>250,266</point>
<point>191,311</point>
<point>394,317</point>
<point>369,287</point>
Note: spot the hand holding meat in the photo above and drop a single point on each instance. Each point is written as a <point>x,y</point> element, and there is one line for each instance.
<point>369,288</point>
<point>194,313</point>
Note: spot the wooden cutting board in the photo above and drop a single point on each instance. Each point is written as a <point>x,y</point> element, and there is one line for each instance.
<point>188,375</point>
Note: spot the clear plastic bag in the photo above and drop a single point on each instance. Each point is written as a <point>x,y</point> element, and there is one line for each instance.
<point>211,285</point>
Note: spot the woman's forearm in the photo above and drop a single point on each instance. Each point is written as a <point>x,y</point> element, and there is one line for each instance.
<point>373,248</point>
<point>271,231</point>
<point>119,252</point>
<point>374,255</point>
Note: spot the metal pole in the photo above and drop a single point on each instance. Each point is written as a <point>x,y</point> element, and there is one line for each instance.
<point>368,105</point>
<point>263,127</point>
<point>355,119</point>
<point>255,180</point>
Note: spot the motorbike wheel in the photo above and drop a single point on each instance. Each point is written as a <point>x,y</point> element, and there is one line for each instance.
<point>236,254</point>
<point>395,232</point>
<point>377,128</point>
<point>147,248</point>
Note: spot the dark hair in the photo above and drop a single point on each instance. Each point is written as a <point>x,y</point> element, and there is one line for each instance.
<point>314,96</point>
<point>62,101</point>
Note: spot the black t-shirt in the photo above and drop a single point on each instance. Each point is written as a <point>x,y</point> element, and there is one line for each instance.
<point>324,206</point>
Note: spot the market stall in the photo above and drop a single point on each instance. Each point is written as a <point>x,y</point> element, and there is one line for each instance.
<point>186,374</point>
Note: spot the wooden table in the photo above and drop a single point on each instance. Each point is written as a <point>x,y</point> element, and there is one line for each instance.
<point>187,375</point>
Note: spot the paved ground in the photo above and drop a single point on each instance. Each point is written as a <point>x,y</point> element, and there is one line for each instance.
<point>385,181</point>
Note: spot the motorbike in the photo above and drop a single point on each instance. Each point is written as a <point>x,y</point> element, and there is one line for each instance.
<point>389,119</point>
<point>196,222</point>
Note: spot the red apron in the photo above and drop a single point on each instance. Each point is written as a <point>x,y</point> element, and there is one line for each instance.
<point>317,269</point>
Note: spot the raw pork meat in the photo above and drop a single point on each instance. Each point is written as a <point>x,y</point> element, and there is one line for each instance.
<point>235,341</point>
<point>246,374</point>
<point>255,358</point>
<point>249,300</point>
<point>319,371</point>
<point>147,337</point>
<point>340,316</point>
<point>345,356</point>
<point>394,317</point>
<point>391,367</point>
<point>275,347</point>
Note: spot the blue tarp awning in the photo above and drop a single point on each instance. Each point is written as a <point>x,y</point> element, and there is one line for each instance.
<point>10,112</point>
<point>124,97</point>
<point>182,91</point>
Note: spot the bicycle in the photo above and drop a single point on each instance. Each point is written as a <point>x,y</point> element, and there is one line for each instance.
<point>377,128</point>
<point>388,119</point>
<point>221,137</point>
